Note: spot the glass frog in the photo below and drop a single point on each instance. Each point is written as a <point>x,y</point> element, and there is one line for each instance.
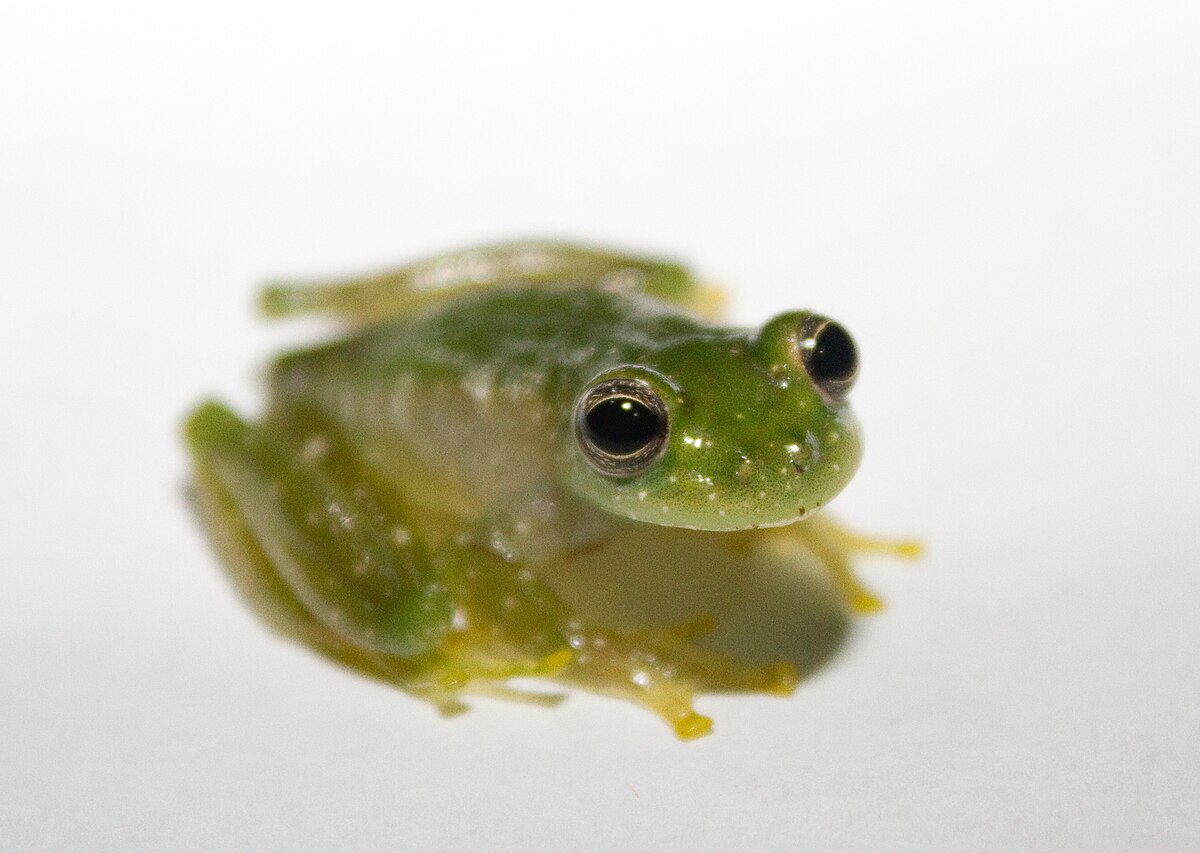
<point>495,411</point>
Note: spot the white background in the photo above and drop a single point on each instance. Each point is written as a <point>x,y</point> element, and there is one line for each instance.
<point>1001,200</point>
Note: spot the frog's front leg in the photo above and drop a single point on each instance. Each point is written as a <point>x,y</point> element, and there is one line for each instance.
<point>506,602</point>
<point>381,296</point>
<point>663,669</point>
<point>510,610</point>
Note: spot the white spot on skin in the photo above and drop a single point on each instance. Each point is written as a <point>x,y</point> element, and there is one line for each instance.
<point>339,518</point>
<point>673,478</point>
<point>640,678</point>
<point>401,536</point>
<point>666,508</point>
<point>478,385</point>
<point>712,496</point>
<point>761,495</point>
<point>641,495</point>
<point>836,467</point>
<point>628,280</point>
<point>721,512</point>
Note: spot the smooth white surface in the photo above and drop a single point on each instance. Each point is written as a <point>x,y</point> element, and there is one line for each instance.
<point>1001,201</point>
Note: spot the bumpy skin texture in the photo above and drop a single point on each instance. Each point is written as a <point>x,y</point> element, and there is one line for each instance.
<point>395,503</point>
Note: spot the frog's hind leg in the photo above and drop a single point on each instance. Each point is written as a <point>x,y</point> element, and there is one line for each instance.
<point>260,586</point>
<point>325,535</point>
<point>283,529</point>
<point>371,298</point>
<point>326,554</point>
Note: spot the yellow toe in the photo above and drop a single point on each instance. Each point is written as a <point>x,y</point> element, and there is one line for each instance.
<point>692,726</point>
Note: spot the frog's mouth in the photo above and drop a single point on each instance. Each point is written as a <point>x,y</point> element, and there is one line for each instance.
<point>698,512</point>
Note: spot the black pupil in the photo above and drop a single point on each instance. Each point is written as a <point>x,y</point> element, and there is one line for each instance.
<point>621,425</point>
<point>834,357</point>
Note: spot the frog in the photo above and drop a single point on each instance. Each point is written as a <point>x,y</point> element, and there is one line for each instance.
<point>487,413</point>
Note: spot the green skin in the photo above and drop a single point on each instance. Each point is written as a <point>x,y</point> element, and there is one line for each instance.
<point>395,504</point>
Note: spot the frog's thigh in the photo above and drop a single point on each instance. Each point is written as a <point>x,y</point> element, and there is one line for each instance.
<point>373,298</point>
<point>264,590</point>
<point>313,558</point>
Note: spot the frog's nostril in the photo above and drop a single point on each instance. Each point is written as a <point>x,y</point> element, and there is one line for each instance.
<point>799,468</point>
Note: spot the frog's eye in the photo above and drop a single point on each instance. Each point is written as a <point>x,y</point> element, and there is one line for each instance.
<point>622,426</point>
<point>829,356</point>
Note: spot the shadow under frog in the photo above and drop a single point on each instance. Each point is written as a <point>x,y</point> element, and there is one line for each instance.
<point>768,604</point>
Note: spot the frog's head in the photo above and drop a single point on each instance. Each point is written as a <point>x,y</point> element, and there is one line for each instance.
<point>721,432</point>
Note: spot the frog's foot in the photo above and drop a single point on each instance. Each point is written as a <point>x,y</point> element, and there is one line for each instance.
<point>709,301</point>
<point>860,598</point>
<point>835,547</point>
<point>856,543</point>
<point>496,690</point>
<point>662,670</point>
<point>465,667</point>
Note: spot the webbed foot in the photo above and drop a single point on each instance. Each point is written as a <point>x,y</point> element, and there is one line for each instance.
<point>835,546</point>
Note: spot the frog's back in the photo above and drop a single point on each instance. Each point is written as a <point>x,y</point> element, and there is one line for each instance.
<point>468,395</point>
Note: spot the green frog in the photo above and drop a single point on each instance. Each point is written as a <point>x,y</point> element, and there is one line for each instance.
<point>494,412</point>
